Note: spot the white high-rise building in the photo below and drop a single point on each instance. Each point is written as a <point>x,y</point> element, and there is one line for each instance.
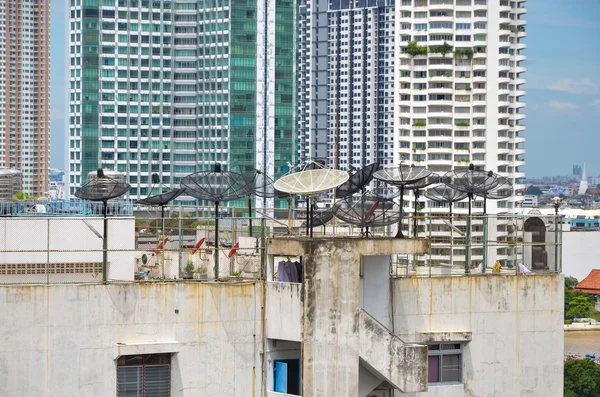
<point>435,83</point>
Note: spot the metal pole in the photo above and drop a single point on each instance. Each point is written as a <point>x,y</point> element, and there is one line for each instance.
<point>216,240</point>
<point>336,152</point>
<point>307,215</point>
<point>180,242</point>
<point>485,241</point>
<point>263,248</point>
<point>399,232</point>
<point>162,252</point>
<point>48,255</point>
<point>311,218</point>
<point>555,239</point>
<point>105,244</point>
<point>451,238</point>
<point>416,213</point>
<point>468,240</point>
<point>250,214</point>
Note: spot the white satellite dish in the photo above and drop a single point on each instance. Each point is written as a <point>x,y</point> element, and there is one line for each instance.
<point>312,182</point>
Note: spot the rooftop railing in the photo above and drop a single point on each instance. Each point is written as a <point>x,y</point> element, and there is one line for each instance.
<point>66,249</point>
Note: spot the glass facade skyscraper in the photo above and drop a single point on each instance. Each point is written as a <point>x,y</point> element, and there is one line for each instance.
<point>173,87</point>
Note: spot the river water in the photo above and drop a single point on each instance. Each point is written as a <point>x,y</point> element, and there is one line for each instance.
<point>582,343</point>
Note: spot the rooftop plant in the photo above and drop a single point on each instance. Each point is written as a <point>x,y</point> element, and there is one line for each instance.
<point>414,49</point>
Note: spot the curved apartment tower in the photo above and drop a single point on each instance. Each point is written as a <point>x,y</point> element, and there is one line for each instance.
<point>25,91</point>
<point>455,100</point>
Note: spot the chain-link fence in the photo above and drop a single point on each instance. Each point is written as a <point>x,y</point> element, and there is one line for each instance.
<point>74,249</point>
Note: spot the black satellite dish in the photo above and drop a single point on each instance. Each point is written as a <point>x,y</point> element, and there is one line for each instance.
<point>103,189</point>
<point>445,194</point>
<point>216,186</point>
<point>367,211</point>
<point>357,181</point>
<point>471,181</point>
<point>401,177</point>
<point>416,188</point>
<point>160,200</point>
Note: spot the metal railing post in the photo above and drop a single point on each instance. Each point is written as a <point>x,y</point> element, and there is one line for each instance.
<point>180,242</point>
<point>263,248</point>
<point>485,242</point>
<point>48,254</point>
<point>556,240</point>
<point>468,246</point>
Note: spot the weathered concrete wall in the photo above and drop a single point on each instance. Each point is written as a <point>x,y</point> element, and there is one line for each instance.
<point>331,327</point>
<point>283,311</point>
<point>516,325</point>
<point>62,340</point>
<point>403,365</point>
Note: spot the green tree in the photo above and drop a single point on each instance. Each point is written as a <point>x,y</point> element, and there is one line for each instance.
<point>22,196</point>
<point>413,49</point>
<point>580,306</point>
<point>582,378</point>
<point>571,282</point>
<point>533,190</point>
<point>443,49</point>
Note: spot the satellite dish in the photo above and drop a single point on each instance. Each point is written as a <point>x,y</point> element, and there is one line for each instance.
<point>471,181</point>
<point>216,186</point>
<point>357,181</point>
<point>445,194</point>
<point>401,177</point>
<point>321,217</point>
<point>311,183</point>
<point>161,199</point>
<point>503,190</point>
<point>103,189</point>
<point>367,211</point>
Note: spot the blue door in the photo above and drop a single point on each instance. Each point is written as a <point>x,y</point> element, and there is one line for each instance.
<point>281,377</point>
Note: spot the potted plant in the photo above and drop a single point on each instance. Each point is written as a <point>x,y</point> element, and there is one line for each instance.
<point>189,270</point>
<point>201,273</point>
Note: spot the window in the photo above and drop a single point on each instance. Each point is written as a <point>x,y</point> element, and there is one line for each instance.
<point>286,376</point>
<point>445,363</point>
<point>144,375</point>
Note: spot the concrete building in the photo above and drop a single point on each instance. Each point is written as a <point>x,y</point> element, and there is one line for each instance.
<point>346,329</point>
<point>25,91</point>
<point>173,87</point>
<point>11,183</point>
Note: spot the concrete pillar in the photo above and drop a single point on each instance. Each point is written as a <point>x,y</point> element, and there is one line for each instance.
<point>332,318</point>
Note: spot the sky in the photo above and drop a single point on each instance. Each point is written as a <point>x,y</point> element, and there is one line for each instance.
<point>563,86</point>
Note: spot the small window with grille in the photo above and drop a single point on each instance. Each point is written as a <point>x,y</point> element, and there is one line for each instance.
<point>445,363</point>
<point>147,375</point>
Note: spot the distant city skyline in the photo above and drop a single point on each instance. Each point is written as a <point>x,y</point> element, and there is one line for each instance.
<point>563,88</point>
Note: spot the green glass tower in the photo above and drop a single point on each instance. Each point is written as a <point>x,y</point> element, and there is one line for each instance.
<point>173,87</point>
